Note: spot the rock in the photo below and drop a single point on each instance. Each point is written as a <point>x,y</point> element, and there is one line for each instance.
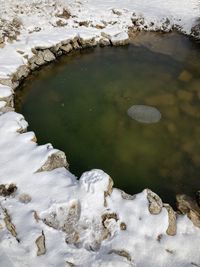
<point>185,76</point>
<point>188,206</point>
<point>66,48</point>
<point>9,225</point>
<point>127,196</point>
<point>195,31</point>
<point>108,192</point>
<point>120,39</point>
<point>7,82</point>
<point>185,95</point>
<point>36,60</point>
<point>70,214</point>
<point>48,55</point>
<point>40,58</point>
<point>21,73</point>
<point>122,253</point>
<point>24,198</point>
<point>191,110</point>
<point>104,42</point>
<point>161,100</point>
<point>108,216</point>
<point>40,242</point>
<point>123,226</point>
<point>171,230</point>
<point>155,202</point>
<point>198,197</point>
<point>87,42</point>
<point>2,39</point>
<point>56,160</point>
<point>76,45</point>
<point>7,189</point>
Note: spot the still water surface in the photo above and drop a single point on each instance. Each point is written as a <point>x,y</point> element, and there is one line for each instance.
<point>86,104</point>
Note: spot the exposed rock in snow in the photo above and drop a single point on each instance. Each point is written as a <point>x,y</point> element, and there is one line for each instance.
<point>155,202</point>
<point>189,206</point>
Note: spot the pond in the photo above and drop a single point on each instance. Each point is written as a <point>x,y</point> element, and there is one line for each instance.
<point>132,111</point>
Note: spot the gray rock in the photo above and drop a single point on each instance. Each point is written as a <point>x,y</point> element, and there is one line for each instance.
<point>155,202</point>
<point>87,42</point>
<point>21,73</point>
<point>56,160</point>
<point>48,55</point>
<point>188,206</point>
<point>104,42</point>
<point>66,48</point>
<point>195,31</point>
<point>171,230</point>
<point>40,242</point>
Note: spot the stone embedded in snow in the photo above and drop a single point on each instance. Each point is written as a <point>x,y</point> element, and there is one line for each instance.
<point>144,114</point>
<point>24,198</point>
<point>55,160</point>
<point>120,39</point>
<point>40,242</point>
<point>21,73</point>
<point>172,228</point>
<point>7,189</point>
<point>187,205</point>
<point>155,202</point>
<point>66,48</point>
<point>95,181</point>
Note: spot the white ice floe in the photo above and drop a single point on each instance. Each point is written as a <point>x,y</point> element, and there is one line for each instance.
<point>47,216</point>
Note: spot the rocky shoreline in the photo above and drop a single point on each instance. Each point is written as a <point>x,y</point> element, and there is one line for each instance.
<point>65,211</point>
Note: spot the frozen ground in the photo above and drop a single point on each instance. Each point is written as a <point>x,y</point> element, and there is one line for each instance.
<point>49,218</point>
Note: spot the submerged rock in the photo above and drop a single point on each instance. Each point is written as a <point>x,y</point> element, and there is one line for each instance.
<point>144,114</point>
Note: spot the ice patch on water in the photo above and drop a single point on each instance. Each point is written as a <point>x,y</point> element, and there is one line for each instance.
<point>144,114</point>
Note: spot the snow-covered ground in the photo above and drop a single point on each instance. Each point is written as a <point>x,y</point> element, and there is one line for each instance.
<point>47,216</point>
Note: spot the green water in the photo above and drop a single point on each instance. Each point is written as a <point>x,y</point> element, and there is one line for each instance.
<point>80,103</point>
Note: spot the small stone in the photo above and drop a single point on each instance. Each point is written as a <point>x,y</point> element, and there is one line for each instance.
<point>56,160</point>
<point>123,226</point>
<point>7,189</point>
<point>9,225</point>
<point>185,76</point>
<point>198,197</point>
<point>40,242</point>
<point>108,192</point>
<point>122,253</point>
<point>155,202</point>
<point>171,230</point>
<point>66,48</point>
<point>104,42</point>
<point>188,206</point>
<point>24,198</point>
<point>107,217</point>
<point>127,196</point>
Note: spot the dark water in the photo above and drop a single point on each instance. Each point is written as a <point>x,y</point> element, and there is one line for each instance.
<point>80,104</point>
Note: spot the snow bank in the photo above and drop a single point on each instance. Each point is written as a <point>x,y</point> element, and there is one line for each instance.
<point>47,216</point>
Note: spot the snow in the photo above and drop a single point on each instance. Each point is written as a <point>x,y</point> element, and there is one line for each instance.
<point>72,213</point>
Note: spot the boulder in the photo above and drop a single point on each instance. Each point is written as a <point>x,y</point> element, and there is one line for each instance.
<point>56,160</point>
<point>188,206</point>
<point>171,230</point>
<point>155,202</point>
